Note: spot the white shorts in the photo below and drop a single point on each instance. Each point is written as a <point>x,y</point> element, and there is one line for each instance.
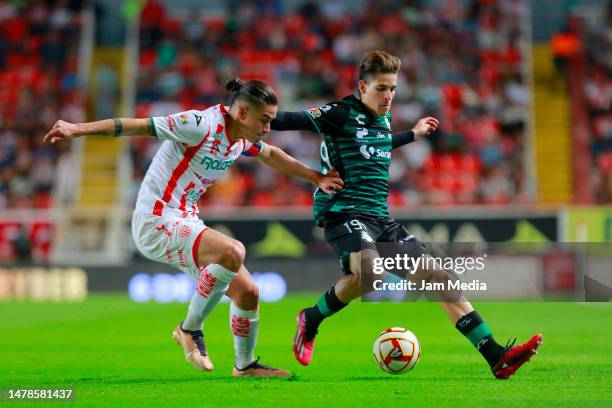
<point>170,240</point>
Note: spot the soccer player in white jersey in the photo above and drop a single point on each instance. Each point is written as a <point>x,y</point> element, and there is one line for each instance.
<point>198,147</point>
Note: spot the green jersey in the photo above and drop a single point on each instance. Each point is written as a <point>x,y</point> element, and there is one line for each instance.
<point>357,143</point>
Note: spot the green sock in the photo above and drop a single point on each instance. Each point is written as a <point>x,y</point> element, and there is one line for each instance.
<point>479,334</point>
<point>327,305</point>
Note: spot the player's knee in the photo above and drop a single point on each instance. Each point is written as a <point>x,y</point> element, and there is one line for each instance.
<point>249,297</point>
<point>233,255</point>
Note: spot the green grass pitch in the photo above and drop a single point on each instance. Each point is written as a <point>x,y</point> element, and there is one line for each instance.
<point>117,353</point>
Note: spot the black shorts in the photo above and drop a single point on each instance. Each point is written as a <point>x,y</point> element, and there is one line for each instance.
<point>348,233</point>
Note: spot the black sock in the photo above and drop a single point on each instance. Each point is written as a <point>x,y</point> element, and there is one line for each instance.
<point>327,305</point>
<point>479,334</point>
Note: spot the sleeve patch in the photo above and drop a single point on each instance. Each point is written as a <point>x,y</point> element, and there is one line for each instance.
<point>253,150</point>
<point>315,112</point>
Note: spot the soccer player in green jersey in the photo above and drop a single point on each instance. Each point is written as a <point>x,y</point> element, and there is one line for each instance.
<point>357,143</point>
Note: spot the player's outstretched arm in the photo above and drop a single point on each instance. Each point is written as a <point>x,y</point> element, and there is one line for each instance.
<point>424,127</point>
<point>63,130</point>
<point>281,161</point>
<point>292,121</point>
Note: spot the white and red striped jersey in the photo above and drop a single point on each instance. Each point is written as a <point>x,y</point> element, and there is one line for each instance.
<point>196,151</point>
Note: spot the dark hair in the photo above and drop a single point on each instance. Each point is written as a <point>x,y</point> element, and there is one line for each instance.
<point>256,92</point>
<point>378,62</point>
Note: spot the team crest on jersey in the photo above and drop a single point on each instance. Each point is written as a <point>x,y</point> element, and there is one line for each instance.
<point>315,112</point>
<point>183,119</point>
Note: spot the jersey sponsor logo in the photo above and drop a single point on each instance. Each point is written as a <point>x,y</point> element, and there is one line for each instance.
<point>380,135</point>
<point>205,182</point>
<point>192,196</point>
<point>369,152</point>
<point>184,119</point>
<point>326,108</point>
<point>361,132</point>
<point>315,112</point>
<point>198,118</point>
<point>359,119</point>
<point>214,164</point>
<point>366,151</point>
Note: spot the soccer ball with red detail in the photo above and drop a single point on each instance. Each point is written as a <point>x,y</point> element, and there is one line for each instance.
<point>397,350</point>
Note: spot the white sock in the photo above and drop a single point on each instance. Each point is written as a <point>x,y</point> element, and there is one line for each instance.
<point>210,288</point>
<point>245,326</point>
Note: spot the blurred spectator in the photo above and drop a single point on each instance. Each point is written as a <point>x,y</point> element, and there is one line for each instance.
<point>38,48</point>
<point>106,89</point>
<point>598,100</point>
<point>564,45</point>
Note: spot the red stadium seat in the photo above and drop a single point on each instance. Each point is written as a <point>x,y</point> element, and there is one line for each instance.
<point>143,110</point>
<point>449,162</point>
<point>604,161</point>
<point>432,164</point>
<point>469,163</point>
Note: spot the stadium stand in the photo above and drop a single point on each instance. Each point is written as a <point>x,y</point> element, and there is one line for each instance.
<point>461,63</point>
<point>38,85</point>
<point>598,98</point>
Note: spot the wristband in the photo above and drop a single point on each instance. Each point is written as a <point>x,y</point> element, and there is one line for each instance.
<point>118,127</point>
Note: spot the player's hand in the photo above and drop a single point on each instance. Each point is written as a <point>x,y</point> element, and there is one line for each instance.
<point>331,182</point>
<point>62,130</point>
<point>425,127</point>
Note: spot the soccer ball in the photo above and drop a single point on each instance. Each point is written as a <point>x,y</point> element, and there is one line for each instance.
<point>397,350</point>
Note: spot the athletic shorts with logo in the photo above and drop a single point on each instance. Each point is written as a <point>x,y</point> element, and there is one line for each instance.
<point>169,240</point>
<point>348,233</point>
